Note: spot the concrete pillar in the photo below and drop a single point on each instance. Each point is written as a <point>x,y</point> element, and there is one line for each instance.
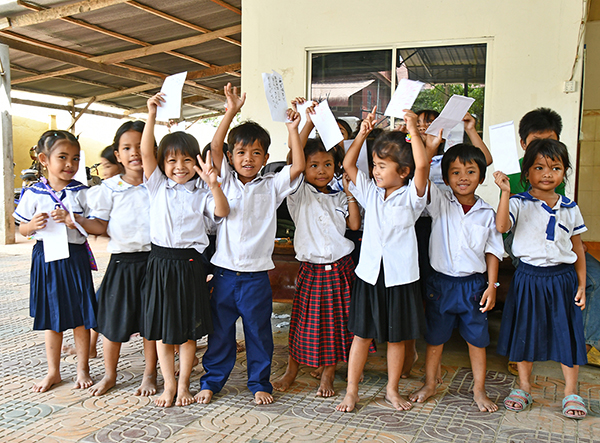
<point>7,222</point>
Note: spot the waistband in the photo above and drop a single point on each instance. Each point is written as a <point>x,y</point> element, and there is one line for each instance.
<point>174,253</point>
<point>466,278</point>
<point>132,257</point>
<point>545,270</point>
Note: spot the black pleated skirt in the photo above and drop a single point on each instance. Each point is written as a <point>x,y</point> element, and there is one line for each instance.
<point>176,300</point>
<point>120,296</point>
<point>390,314</point>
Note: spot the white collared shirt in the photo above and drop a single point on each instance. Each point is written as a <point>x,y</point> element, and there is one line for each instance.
<point>127,209</point>
<point>542,235</point>
<point>389,233</point>
<point>37,198</point>
<point>320,221</point>
<point>459,241</point>
<point>246,237</point>
<point>176,212</point>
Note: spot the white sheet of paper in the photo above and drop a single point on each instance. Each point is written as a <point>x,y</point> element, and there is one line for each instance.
<point>503,144</point>
<point>81,174</point>
<point>453,112</point>
<point>324,121</point>
<point>77,225</point>
<point>56,242</point>
<point>404,97</point>
<point>302,111</point>
<point>363,161</point>
<point>275,92</point>
<point>172,88</point>
<point>456,136</point>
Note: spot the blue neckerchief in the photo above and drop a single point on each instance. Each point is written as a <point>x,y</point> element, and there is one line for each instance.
<point>551,227</point>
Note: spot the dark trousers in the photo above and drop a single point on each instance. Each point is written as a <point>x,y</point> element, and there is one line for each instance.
<point>235,294</point>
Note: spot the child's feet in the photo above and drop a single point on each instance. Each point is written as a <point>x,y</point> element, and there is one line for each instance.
<point>240,346</point>
<point>69,350</point>
<point>483,401</point>
<point>148,386</point>
<point>166,399</point>
<point>284,382</point>
<point>83,380</point>
<point>194,364</point>
<point>184,396</point>
<point>317,373</point>
<point>102,386</point>
<point>348,403</point>
<point>263,398</point>
<point>409,363</point>
<point>204,396</point>
<point>46,383</point>
<point>397,401</point>
<point>326,386</point>
<point>422,394</point>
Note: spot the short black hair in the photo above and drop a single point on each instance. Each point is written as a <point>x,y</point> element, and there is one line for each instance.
<point>177,142</point>
<point>344,125</point>
<point>49,138</point>
<point>393,145</point>
<point>208,147</point>
<point>247,133</point>
<point>315,145</point>
<point>428,114</point>
<point>545,147</point>
<point>540,120</point>
<point>108,153</point>
<point>464,153</point>
<point>132,125</point>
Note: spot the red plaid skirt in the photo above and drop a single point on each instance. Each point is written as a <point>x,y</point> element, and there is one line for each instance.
<point>319,325</point>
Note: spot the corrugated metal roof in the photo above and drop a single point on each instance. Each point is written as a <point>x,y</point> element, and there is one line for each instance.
<point>62,43</point>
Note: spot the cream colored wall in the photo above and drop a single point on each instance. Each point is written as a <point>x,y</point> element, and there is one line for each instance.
<point>591,93</point>
<point>531,49</point>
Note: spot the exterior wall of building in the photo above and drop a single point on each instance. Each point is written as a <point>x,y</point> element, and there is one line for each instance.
<point>531,49</point>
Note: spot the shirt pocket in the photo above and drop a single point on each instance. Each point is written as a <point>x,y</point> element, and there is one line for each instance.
<point>401,217</point>
<point>475,236</point>
<point>260,205</point>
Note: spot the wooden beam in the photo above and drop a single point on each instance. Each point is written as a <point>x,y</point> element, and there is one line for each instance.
<point>179,21</point>
<point>59,12</point>
<point>227,6</point>
<point>100,67</point>
<point>121,93</point>
<point>81,112</point>
<point>211,72</point>
<point>167,46</point>
<point>46,75</point>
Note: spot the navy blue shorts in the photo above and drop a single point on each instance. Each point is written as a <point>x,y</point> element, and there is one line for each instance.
<point>453,302</point>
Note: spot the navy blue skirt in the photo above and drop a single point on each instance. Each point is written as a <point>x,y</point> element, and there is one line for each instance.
<point>120,296</point>
<point>62,292</point>
<point>540,320</point>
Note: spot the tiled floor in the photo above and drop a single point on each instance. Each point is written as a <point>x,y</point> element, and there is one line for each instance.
<point>65,414</point>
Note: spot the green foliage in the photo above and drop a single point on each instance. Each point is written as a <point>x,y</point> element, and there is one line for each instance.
<point>436,98</point>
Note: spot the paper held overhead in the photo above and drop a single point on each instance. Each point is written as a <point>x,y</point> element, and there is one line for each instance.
<point>503,144</point>
<point>171,88</point>
<point>275,93</point>
<point>328,129</point>
<point>453,112</point>
<point>404,97</point>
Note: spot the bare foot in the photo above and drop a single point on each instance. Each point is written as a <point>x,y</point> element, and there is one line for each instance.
<point>240,346</point>
<point>166,399</point>
<point>184,396</point>
<point>483,402</point>
<point>47,382</point>
<point>422,394</point>
<point>194,364</point>
<point>204,396</point>
<point>83,380</point>
<point>148,386</point>
<point>93,351</point>
<point>326,386</point>
<point>397,401</point>
<point>263,398</point>
<point>284,382</point>
<point>102,386</point>
<point>408,365</point>
<point>69,350</point>
<point>348,403</point>
<point>317,373</point>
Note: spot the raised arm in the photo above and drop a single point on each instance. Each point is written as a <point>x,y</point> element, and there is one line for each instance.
<point>420,156</point>
<point>208,173</point>
<point>475,138</point>
<point>147,143</point>
<point>353,220</point>
<point>234,104</point>
<point>503,223</point>
<point>298,160</point>
<point>351,157</point>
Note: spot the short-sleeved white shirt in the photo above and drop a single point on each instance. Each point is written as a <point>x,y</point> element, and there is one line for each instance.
<point>389,232</point>
<point>127,209</point>
<point>459,241</point>
<point>37,198</point>
<point>176,212</point>
<point>246,237</point>
<point>320,221</point>
<point>542,235</point>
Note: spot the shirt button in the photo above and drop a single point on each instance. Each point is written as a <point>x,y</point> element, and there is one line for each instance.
<point>238,273</point>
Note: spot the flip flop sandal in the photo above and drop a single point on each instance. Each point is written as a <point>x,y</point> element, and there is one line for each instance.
<point>513,368</point>
<point>518,396</point>
<point>593,357</point>
<point>572,403</point>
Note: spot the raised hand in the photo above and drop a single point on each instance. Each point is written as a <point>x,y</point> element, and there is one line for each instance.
<point>154,102</point>
<point>206,170</point>
<point>234,101</point>
<point>293,119</point>
<point>368,123</point>
<point>502,181</point>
